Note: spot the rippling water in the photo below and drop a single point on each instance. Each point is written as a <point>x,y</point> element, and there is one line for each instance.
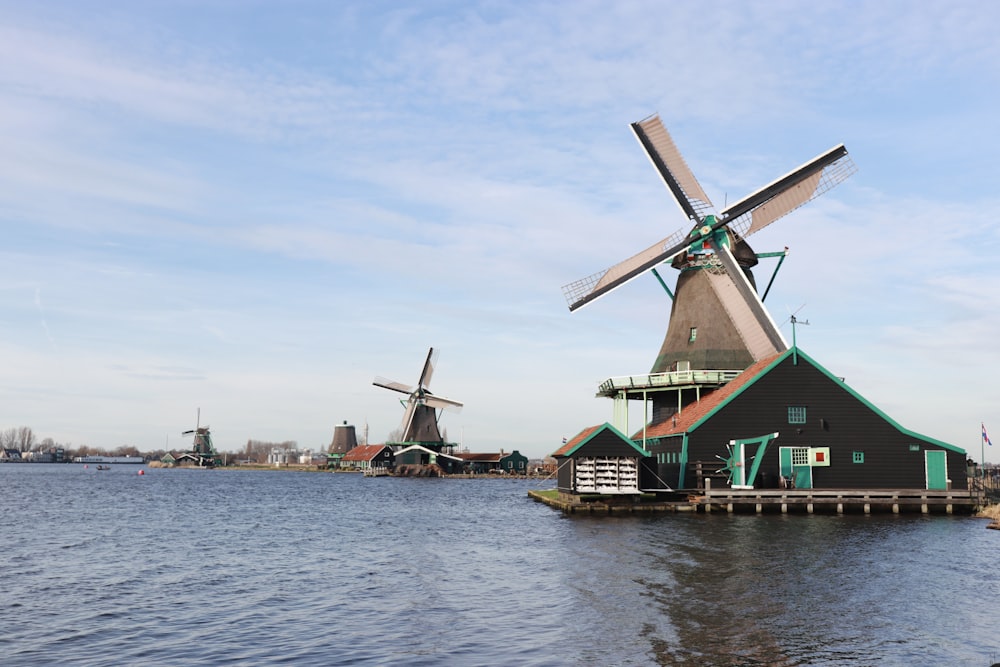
<point>185,567</point>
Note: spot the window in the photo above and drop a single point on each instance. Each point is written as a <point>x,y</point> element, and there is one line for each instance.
<point>693,334</point>
<point>858,457</point>
<point>796,414</point>
<point>800,456</point>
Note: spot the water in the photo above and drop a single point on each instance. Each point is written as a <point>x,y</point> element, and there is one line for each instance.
<point>185,567</point>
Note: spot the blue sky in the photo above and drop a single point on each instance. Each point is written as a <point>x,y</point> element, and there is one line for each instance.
<point>254,208</point>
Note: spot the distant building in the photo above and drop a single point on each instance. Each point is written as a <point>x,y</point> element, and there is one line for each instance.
<point>369,456</point>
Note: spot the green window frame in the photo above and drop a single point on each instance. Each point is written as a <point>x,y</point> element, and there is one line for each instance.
<point>858,457</point>
<point>796,414</point>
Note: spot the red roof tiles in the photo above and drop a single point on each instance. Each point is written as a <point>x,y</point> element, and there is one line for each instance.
<point>576,440</point>
<point>694,412</point>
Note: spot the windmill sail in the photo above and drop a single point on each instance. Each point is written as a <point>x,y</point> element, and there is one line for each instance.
<point>745,217</point>
<point>585,290</point>
<point>758,331</point>
<point>672,168</point>
<point>785,194</point>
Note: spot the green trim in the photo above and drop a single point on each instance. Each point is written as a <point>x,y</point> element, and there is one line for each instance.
<point>802,355</point>
<point>600,429</point>
<point>797,414</point>
<point>663,284</point>
<point>762,443</point>
<point>781,253</point>
<point>684,461</point>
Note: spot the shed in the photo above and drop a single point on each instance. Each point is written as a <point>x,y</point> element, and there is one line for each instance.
<point>601,459</point>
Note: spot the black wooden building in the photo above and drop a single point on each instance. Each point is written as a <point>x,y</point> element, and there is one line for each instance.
<point>602,460</point>
<point>827,436</point>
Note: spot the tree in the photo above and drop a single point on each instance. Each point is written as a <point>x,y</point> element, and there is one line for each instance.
<point>21,439</point>
<point>25,439</point>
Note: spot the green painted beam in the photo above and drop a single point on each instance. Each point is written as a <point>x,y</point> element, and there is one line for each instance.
<point>663,284</point>
<point>782,254</point>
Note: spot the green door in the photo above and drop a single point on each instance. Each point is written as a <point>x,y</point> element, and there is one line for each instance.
<point>803,477</point>
<point>937,469</point>
<point>785,461</point>
<point>800,475</point>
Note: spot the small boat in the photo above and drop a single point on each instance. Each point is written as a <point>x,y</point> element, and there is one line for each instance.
<point>104,467</point>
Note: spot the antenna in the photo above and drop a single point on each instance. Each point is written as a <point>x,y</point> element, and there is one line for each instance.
<point>795,349</point>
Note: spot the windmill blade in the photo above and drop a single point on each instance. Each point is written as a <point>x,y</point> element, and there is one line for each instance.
<point>411,406</point>
<point>395,386</point>
<point>428,371</point>
<point>748,314</point>
<point>442,403</point>
<point>674,171</point>
<point>784,195</point>
<point>585,290</point>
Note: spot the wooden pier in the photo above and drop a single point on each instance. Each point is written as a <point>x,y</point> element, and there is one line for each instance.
<point>783,501</point>
<point>840,501</point>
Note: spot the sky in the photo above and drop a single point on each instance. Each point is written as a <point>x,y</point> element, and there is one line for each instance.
<point>248,210</point>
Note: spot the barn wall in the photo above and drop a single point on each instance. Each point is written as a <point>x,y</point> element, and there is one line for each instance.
<point>835,419</point>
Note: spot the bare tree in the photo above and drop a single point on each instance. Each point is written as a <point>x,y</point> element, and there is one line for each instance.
<point>25,439</point>
<point>21,439</point>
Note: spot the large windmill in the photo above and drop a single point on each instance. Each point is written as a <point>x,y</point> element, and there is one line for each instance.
<point>420,420</point>
<point>718,322</point>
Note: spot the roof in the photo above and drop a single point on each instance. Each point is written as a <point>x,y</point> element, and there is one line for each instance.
<point>440,455</point>
<point>576,440</point>
<point>589,433</point>
<point>490,458</point>
<point>363,453</point>
<point>695,414</point>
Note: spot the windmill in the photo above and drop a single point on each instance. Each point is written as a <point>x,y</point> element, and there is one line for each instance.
<point>717,320</point>
<point>420,420</point>
<point>202,451</point>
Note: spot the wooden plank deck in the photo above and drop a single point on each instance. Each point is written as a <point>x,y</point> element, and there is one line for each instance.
<point>807,501</point>
<point>925,501</point>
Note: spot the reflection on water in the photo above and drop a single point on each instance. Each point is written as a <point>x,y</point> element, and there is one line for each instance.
<point>202,567</point>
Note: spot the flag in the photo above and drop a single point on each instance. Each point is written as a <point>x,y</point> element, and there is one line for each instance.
<point>986,438</point>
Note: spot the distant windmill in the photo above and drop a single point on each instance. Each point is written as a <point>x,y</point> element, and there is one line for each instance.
<point>420,420</point>
<point>203,451</point>
<point>717,320</point>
